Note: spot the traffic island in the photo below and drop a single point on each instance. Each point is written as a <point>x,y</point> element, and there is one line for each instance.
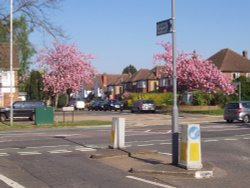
<point>150,163</point>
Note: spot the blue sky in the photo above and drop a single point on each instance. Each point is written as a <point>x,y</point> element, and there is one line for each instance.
<point>123,32</point>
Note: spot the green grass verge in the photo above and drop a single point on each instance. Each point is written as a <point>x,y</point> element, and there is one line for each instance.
<point>205,112</point>
<point>25,125</point>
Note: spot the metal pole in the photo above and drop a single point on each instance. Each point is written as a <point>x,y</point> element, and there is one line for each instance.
<point>239,91</point>
<point>11,62</point>
<point>175,129</point>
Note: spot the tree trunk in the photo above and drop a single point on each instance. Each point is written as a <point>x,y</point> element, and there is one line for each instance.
<point>56,100</point>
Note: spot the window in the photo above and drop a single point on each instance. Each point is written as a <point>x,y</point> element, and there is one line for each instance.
<point>141,84</point>
<point>164,82</point>
<point>248,75</point>
<point>235,75</point>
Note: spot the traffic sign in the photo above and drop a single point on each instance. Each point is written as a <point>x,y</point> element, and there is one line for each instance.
<point>164,27</point>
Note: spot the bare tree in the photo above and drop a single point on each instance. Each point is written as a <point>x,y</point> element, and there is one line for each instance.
<point>36,13</point>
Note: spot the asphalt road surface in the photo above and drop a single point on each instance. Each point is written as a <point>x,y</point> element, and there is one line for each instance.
<point>59,158</point>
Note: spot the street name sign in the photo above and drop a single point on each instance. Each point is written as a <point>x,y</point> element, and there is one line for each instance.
<point>164,27</point>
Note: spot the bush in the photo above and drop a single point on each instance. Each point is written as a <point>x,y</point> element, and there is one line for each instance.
<point>160,99</point>
<point>62,100</point>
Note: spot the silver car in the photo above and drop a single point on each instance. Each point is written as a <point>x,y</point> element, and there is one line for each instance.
<point>143,106</point>
<point>239,111</point>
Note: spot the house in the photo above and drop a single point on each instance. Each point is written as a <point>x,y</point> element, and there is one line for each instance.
<point>232,64</point>
<point>5,74</point>
<point>115,88</point>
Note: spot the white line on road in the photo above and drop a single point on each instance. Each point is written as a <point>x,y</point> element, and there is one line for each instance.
<point>48,146</point>
<point>10,182</point>
<point>59,151</point>
<point>29,153</point>
<point>210,140</point>
<point>4,154</point>
<point>165,143</point>
<point>230,139</point>
<point>170,154</point>
<point>150,182</point>
<point>146,145</point>
<point>84,149</point>
<point>246,138</point>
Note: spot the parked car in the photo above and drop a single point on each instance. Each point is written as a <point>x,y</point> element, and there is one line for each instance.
<point>77,104</point>
<point>239,111</point>
<point>113,104</point>
<point>97,105</point>
<point>143,106</point>
<point>21,109</point>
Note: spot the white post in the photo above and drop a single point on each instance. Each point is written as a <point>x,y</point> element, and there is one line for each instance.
<point>117,137</point>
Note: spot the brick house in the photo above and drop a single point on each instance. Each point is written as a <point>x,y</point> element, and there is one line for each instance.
<point>232,64</point>
<point>5,74</point>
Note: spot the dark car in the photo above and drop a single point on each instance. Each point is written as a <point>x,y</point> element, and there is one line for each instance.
<point>143,106</point>
<point>97,105</point>
<point>239,111</point>
<point>113,104</point>
<point>21,109</point>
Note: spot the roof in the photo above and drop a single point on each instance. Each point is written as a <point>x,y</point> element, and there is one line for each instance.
<point>5,57</point>
<point>122,78</point>
<point>142,74</point>
<point>229,61</point>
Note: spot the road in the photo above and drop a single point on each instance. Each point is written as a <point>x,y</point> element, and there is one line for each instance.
<point>56,158</point>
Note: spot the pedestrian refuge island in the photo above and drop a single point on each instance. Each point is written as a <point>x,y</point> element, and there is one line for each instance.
<point>117,136</point>
<point>190,157</point>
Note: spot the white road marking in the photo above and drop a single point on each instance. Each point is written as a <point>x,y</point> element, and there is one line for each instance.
<point>10,149</point>
<point>59,151</point>
<point>147,131</point>
<point>10,182</point>
<point>210,140</point>
<point>29,153</point>
<point>230,139</point>
<point>246,138</point>
<point>4,154</point>
<point>150,182</point>
<point>166,143</point>
<point>146,145</point>
<point>47,146</point>
<point>170,154</point>
<point>84,149</point>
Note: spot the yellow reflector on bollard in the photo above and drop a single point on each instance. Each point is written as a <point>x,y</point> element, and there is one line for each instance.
<point>194,152</point>
<point>183,151</point>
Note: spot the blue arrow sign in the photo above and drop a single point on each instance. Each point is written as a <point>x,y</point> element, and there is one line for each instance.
<point>194,133</point>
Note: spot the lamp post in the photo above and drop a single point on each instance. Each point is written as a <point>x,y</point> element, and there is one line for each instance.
<point>175,127</point>
<point>11,62</point>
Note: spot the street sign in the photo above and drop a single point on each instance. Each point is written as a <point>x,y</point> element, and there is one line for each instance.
<point>164,27</point>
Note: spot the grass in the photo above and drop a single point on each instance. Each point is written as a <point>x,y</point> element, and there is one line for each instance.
<point>205,112</point>
<point>26,125</point>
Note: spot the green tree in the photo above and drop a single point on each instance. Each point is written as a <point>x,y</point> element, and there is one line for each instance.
<point>21,39</point>
<point>129,70</point>
<point>245,88</point>
<point>34,86</point>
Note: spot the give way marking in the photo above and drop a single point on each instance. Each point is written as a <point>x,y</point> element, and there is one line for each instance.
<point>10,182</point>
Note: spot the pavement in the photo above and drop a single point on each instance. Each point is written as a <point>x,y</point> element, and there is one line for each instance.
<point>147,162</point>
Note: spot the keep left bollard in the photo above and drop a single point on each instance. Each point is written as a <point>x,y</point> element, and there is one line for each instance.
<point>117,137</point>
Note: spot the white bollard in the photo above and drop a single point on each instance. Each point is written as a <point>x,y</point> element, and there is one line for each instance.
<point>117,137</point>
<point>190,156</point>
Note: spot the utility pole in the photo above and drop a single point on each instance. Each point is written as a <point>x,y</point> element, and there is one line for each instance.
<point>11,62</point>
<point>175,127</point>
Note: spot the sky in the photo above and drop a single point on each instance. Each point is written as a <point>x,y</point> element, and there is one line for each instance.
<point>123,32</point>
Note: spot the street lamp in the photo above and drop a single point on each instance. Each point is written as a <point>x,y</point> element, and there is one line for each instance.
<point>11,62</point>
<point>175,127</point>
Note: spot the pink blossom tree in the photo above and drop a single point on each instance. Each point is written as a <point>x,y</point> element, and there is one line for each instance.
<point>65,68</point>
<point>194,73</point>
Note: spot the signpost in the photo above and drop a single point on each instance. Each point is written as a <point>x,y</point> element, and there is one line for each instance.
<point>163,27</point>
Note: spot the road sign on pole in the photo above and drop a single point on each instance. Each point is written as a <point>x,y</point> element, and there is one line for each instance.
<point>164,27</point>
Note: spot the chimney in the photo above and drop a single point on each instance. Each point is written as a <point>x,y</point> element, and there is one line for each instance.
<point>245,54</point>
<point>104,80</point>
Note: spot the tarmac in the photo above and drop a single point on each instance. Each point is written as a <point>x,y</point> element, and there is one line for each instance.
<point>155,164</point>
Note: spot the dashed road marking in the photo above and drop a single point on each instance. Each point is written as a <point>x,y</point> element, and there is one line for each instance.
<point>210,140</point>
<point>4,154</point>
<point>146,145</point>
<point>59,151</point>
<point>230,139</point>
<point>29,153</point>
<point>84,149</point>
